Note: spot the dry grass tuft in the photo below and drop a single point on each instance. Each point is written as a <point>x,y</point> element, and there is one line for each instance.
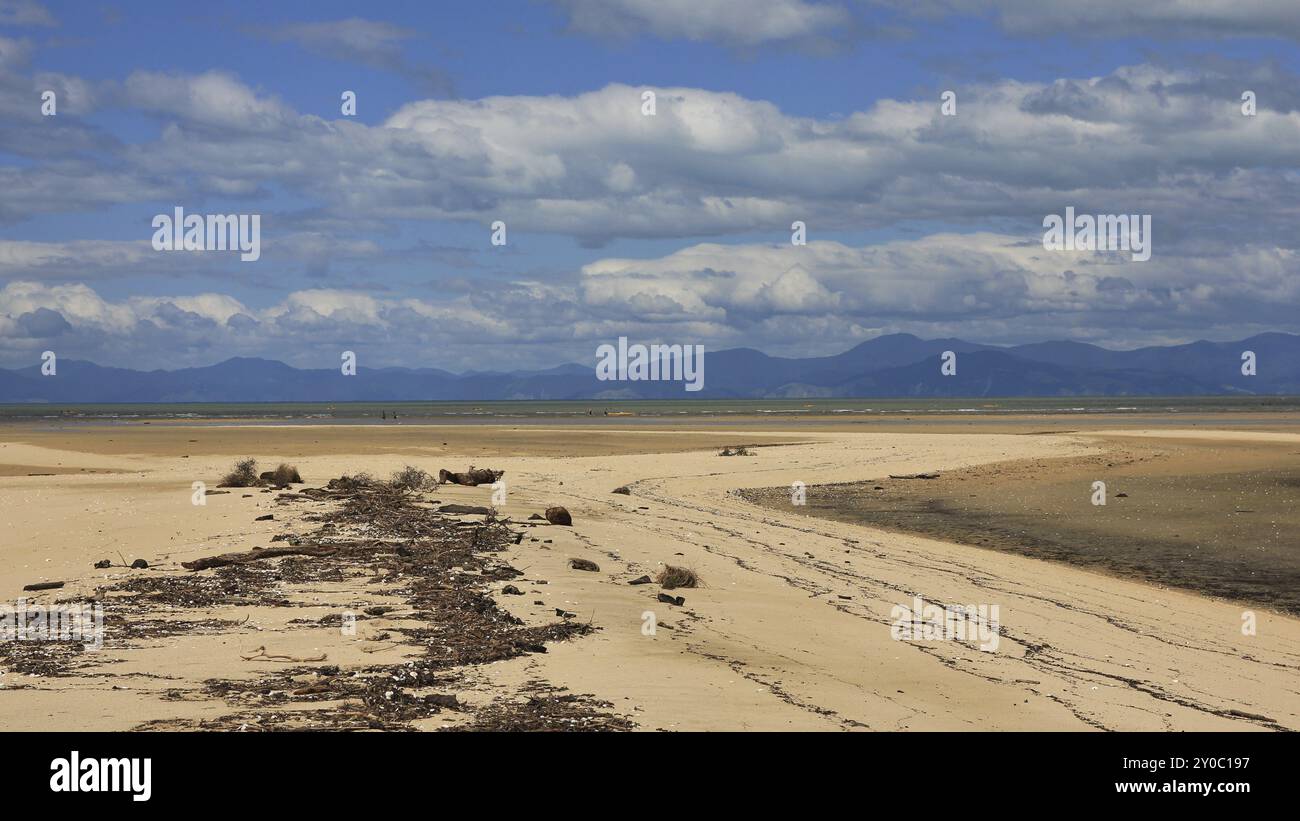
<point>413,479</point>
<point>244,474</point>
<point>671,578</point>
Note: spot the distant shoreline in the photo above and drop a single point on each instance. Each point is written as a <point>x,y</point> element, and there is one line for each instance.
<point>596,410</point>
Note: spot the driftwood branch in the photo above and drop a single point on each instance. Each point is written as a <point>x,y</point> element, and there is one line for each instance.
<point>227,559</point>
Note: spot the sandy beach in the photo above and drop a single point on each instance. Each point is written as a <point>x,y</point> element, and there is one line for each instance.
<point>790,629</point>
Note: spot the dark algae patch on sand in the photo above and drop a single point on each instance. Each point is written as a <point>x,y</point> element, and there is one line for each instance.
<point>1221,518</point>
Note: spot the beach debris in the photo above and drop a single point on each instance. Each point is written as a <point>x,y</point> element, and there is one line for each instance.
<point>350,484</point>
<point>913,476</point>
<point>641,580</point>
<point>216,493</point>
<point>268,517</point>
<point>260,654</point>
<point>258,554</point>
<point>139,564</point>
<point>465,510</point>
<point>564,614</point>
<point>547,709</point>
<point>667,599</point>
<point>1121,495</point>
<point>739,450</point>
<point>446,575</point>
<point>43,586</point>
<point>537,517</point>
<point>283,475</point>
<point>472,477</point>
<point>103,563</point>
<point>672,577</point>
<point>584,564</point>
<point>558,516</point>
<point>511,590</point>
<point>413,479</point>
<point>624,490</point>
<point>244,474</point>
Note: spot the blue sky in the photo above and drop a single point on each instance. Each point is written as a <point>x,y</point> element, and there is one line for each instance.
<point>673,228</point>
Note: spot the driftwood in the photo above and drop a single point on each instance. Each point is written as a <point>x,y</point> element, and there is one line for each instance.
<point>913,476</point>
<point>472,477</point>
<point>464,510</point>
<point>227,559</point>
<point>43,586</point>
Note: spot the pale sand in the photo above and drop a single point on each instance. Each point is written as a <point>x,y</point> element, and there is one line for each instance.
<point>768,644</point>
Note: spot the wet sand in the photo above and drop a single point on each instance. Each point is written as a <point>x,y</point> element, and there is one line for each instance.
<point>790,631</point>
<point>1219,516</point>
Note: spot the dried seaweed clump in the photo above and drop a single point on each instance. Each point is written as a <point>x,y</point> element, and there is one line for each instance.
<point>672,577</point>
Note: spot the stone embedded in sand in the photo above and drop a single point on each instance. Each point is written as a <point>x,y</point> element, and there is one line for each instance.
<point>558,516</point>
<point>583,564</point>
<point>642,580</point>
<point>268,517</point>
<point>624,490</point>
<point>139,564</point>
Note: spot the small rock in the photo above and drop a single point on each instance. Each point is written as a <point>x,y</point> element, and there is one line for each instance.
<point>624,490</point>
<point>583,564</point>
<point>667,599</point>
<point>139,564</point>
<point>558,516</point>
<point>642,580</point>
<point>103,563</point>
<point>268,517</point>
<point>511,590</point>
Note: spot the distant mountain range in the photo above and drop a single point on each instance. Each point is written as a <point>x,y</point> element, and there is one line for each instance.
<point>897,365</point>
